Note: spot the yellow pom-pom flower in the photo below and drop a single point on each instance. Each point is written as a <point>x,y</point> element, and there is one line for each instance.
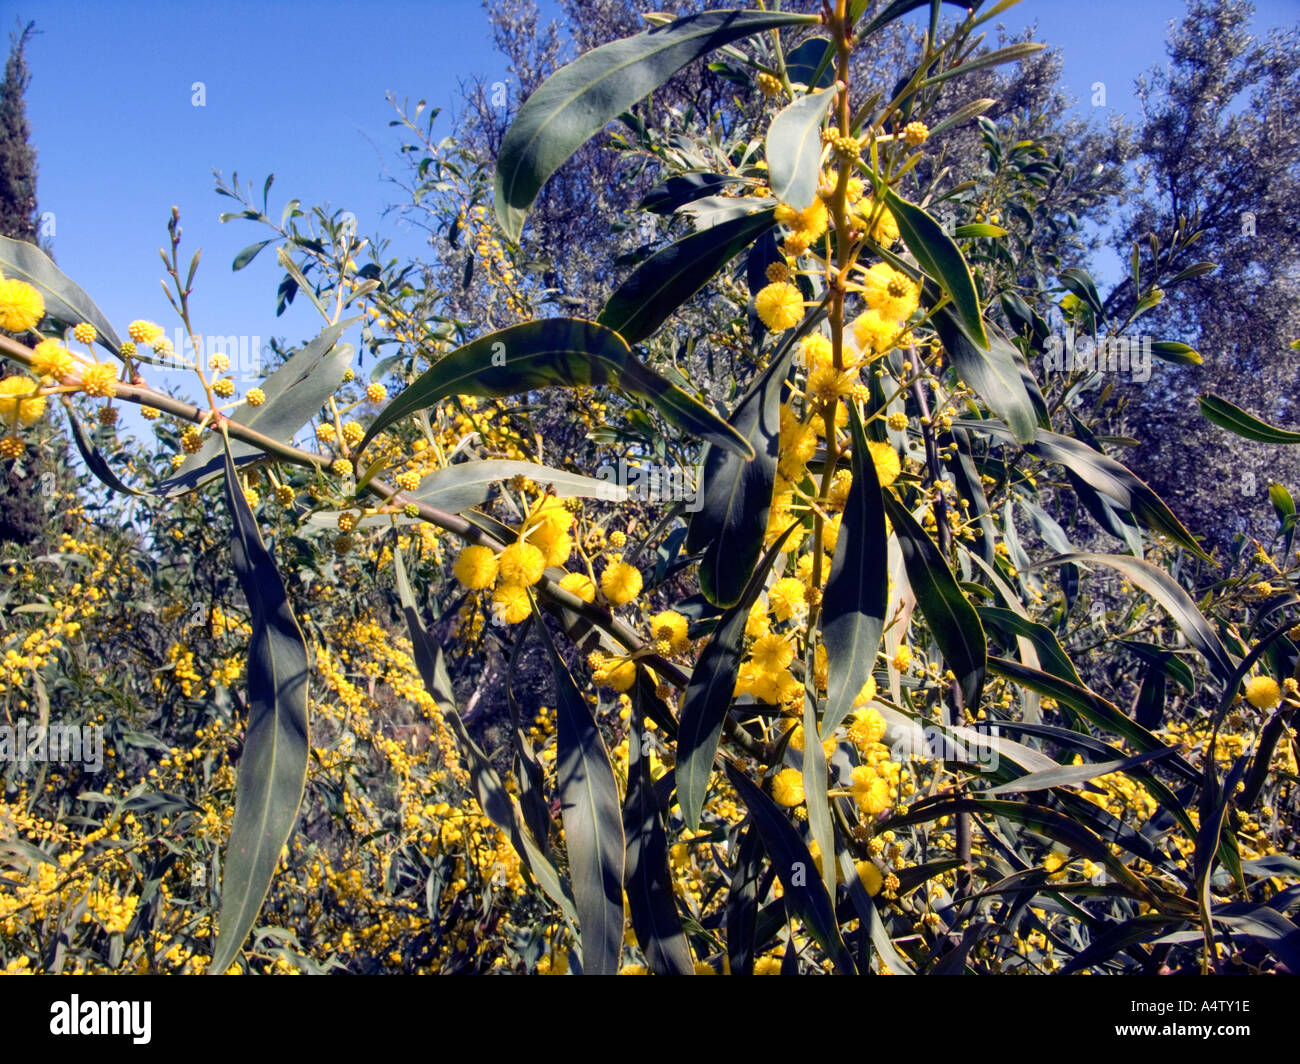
<point>786,599</point>
<point>870,877</point>
<point>510,604</point>
<point>21,306</point>
<point>85,333</point>
<point>255,397</point>
<point>144,332</point>
<point>19,403</point>
<point>521,563</point>
<point>787,787</point>
<point>579,584</point>
<point>885,459</point>
<point>620,582</point>
<point>475,568</point>
<point>1263,692</point>
<point>671,627</point>
<point>51,359</point>
<point>99,380</point>
<point>779,306</point>
<point>891,292</point>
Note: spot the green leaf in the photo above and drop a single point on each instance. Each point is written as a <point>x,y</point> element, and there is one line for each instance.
<point>1178,354</point>
<point>979,230</point>
<point>579,100</point>
<point>942,259</point>
<point>95,460</point>
<point>952,619</point>
<point>249,254</point>
<point>496,802</point>
<point>65,302</point>
<point>994,372</point>
<point>593,821</point>
<point>647,875</point>
<point>853,609</point>
<point>295,391</point>
<point>554,351</point>
<point>1169,593</point>
<point>1234,419</point>
<point>893,12</point>
<point>742,902</point>
<point>811,63</point>
<point>1106,476</point>
<point>466,484</point>
<point>805,894</point>
<point>1282,501</point>
<point>273,765</point>
<point>794,149</point>
<point>1009,54</point>
<point>1081,284</point>
<point>673,274</point>
<point>816,782</point>
<point>735,495</point>
<point>667,196</point>
<point>708,695</point>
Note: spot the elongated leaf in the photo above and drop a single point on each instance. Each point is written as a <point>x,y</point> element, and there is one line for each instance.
<point>889,14</point>
<point>95,460</point>
<point>742,902</point>
<point>794,149</point>
<point>295,391</point>
<point>249,254</point>
<point>65,302</point>
<point>1178,354</point>
<point>493,798</point>
<point>1107,476</point>
<point>554,351</point>
<point>273,765</point>
<point>811,63</point>
<point>1081,284</point>
<point>666,197</point>
<point>1234,419</point>
<point>952,619</point>
<point>708,695</point>
<point>993,371</point>
<point>579,100</point>
<point>647,874</point>
<point>673,274</point>
<point>1169,593</point>
<point>1073,775</point>
<point>942,259</point>
<point>736,495</point>
<point>805,894</point>
<point>467,484</point>
<point>857,590</point>
<point>816,777</point>
<point>1051,655</point>
<point>593,821</point>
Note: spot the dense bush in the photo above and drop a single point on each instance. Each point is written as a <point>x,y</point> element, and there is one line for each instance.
<point>878,695</point>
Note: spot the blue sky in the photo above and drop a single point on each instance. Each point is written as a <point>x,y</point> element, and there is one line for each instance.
<point>299,90</point>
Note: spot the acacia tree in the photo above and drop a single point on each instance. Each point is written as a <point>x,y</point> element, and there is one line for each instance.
<point>864,684</point>
<point>1219,156</point>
